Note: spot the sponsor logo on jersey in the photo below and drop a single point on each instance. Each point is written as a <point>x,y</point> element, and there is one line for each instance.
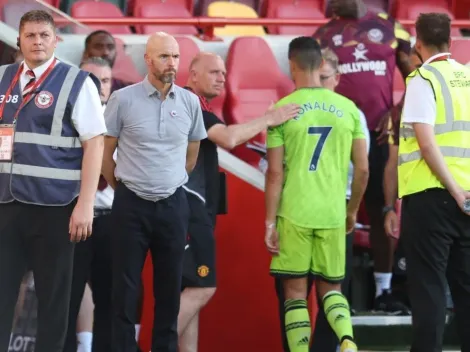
<point>338,39</point>
<point>363,64</point>
<point>375,35</point>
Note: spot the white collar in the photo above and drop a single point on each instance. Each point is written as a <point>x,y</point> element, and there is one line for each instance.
<point>432,58</point>
<point>38,71</point>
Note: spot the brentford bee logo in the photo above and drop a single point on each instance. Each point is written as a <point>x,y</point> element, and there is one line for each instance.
<point>44,99</point>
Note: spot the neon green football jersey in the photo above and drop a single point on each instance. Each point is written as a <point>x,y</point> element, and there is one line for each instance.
<point>317,151</point>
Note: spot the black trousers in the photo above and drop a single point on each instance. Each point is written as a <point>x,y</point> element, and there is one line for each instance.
<point>436,240</point>
<point>324,338</point>
<point>140,225</point>
<point>92,263</point>
<point>36,237</point>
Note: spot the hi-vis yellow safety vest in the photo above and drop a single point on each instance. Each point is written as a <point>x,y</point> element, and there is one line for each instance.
<point>450,82</point>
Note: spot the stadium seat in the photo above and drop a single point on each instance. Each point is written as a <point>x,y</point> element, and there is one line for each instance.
<point>66,5</point>
<point>398,86</point>
<point>163,10</point>
<point>268,7</point>
<point>93,9</point>
<point>411,10</point>
<point>188,50</point>
<point>124,68</point>
<point>203,5</point>
<point>460,49</point>
<point>12,11</point>
<point>372,5</point>
<point>253,83</point>
<point>296,10</point>
<point>234,10</point>
<point>460,9</point>
<point>134,4</point>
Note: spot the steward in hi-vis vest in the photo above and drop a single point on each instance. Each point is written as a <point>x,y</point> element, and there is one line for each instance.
<point>434,183</point>
<point>451,86</point>
<point>46,149</point>
<point>51,150</point>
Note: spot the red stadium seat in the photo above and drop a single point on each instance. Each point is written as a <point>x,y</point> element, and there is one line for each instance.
<point>267,7</point>
<point>12,12</point>
<point>253,83</point>
<point>188,50</point>
<point>460,8</point>
<point>124,68</point>
<point>134,4</point>
<point>93,9</point>
<point>411,10</point>
<point>297,10</point>
<point>163,10</point>
<point>398,86</point>
<point>372,5</point>
<point>460,49</point>
<point>204,4</point>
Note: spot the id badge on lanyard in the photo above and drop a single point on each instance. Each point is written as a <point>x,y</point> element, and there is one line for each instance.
<point>7,131</point>
<point>7,134</point>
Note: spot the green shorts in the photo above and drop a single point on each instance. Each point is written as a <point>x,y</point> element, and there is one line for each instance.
<point>305,251</point>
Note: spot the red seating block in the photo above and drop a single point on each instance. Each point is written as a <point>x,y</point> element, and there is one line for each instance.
<point>254,81</point>
<point>204,4</point>
<point>94,9</point>
<point>412,9</point>
<point>163,10</point>
<point>294,10</point>
<point>460,49</point>
<point>134,4</point>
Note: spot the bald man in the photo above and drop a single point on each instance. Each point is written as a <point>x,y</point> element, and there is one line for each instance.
<point>158,126</point>
<point>207,79</point>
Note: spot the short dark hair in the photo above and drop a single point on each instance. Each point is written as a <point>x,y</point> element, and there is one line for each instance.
<point>433,29</point>
<point>37,16</point>
<point>95,33</point>
<point>98,61</point>
<point>306,53</point>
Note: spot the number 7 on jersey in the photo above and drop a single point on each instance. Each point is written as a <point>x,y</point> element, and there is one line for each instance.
<point>323,132</point>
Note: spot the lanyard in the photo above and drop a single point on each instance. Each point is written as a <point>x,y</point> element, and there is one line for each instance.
<point>30,94</point>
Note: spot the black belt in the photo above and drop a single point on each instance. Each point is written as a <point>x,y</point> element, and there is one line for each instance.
<point>101,212</point>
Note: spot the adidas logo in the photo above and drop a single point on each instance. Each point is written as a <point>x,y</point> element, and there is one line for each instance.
<point>303,341</point>
<point>339,317</point>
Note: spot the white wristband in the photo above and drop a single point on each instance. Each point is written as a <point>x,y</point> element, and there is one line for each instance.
<point>269,225</point>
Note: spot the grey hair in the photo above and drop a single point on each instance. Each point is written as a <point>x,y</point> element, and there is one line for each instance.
<point>98,61</point>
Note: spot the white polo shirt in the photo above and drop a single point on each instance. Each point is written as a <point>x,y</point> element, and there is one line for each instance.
<point>420,104</point>
<point>104,199</point>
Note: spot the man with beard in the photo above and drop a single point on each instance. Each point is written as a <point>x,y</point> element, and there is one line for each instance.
<point>159,127</point>
<point>370,46</point>
<point>101,43</point>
